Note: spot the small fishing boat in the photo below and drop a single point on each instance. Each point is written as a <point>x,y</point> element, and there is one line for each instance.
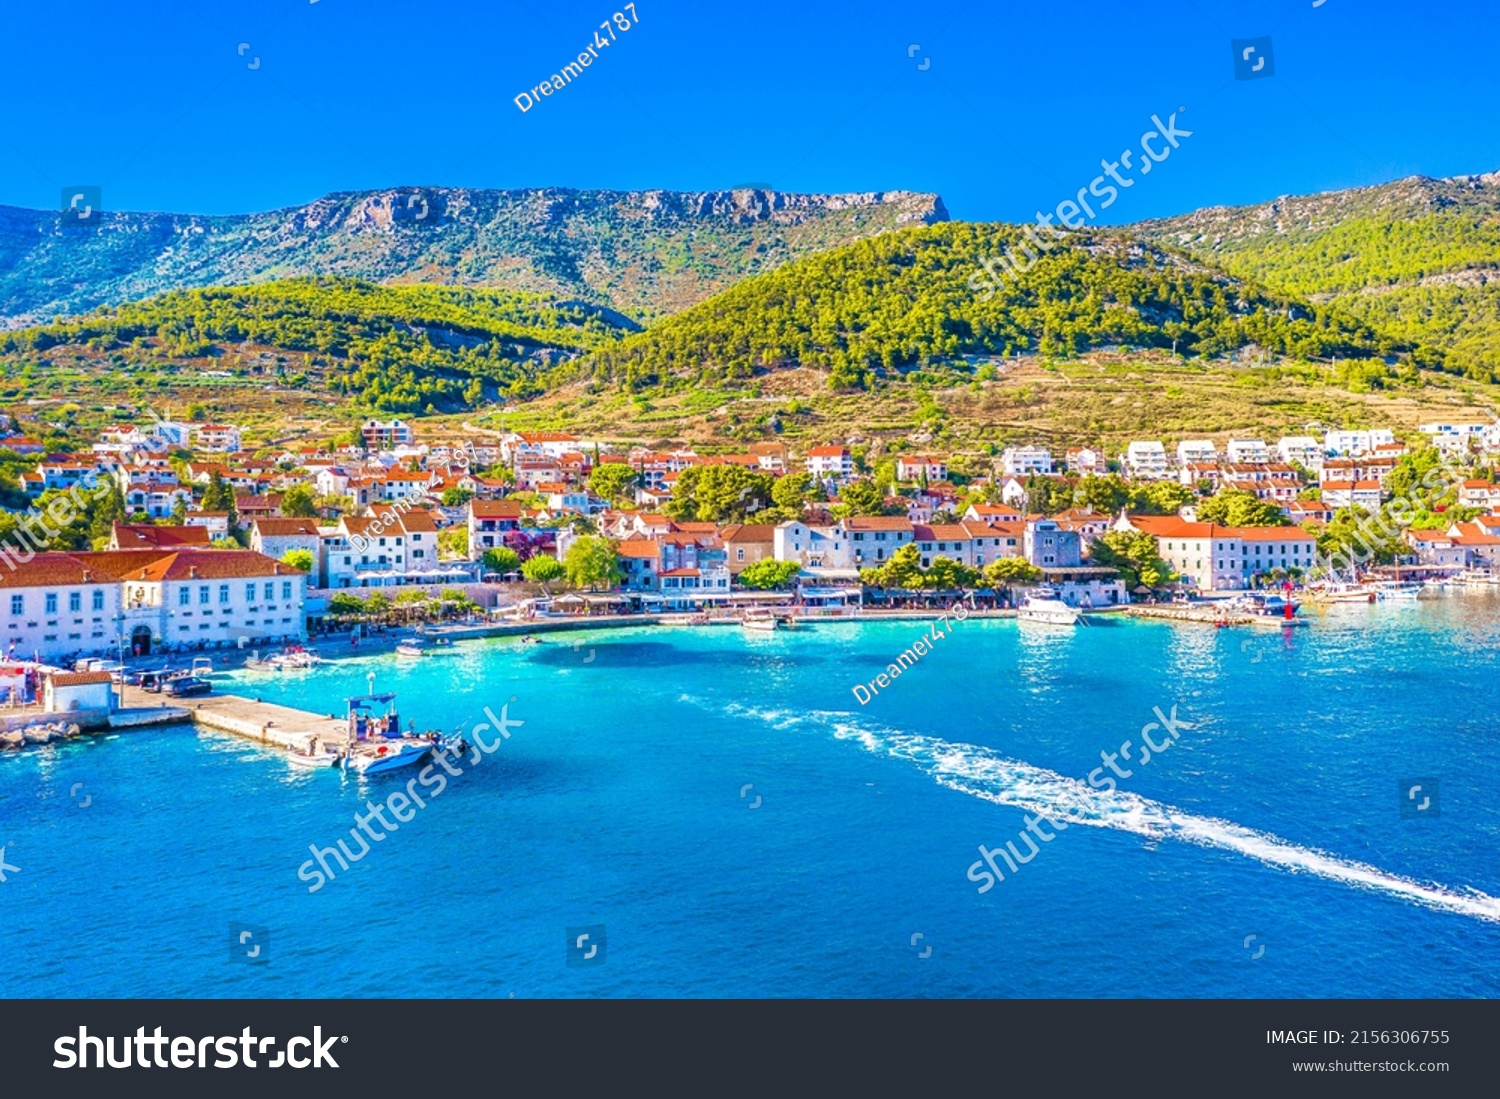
<point>760,623</point>
<point>411,646</point>
<point>203,666</point>
<point>315,754</point>
<point>1045,606</point>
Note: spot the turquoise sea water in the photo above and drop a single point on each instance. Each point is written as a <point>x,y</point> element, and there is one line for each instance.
<point>741,826</point>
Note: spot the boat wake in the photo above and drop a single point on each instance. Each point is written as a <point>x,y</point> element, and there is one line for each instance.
<point>984,773</point>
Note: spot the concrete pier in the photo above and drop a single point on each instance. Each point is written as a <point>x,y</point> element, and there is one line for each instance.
<point>266,721</point>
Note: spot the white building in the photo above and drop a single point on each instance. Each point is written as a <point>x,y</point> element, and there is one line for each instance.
<point>1087,462</point>
<point>1022,461</point>
<point>1146,461</point>
<point>1352,443</point>
<point>1305,450</point>
<point>386,434</point>
<point>217,438</point>
<point>278,537</point>
<point>1196,452</point>
<point>124,601</point>
<point>831,463</point>
<point>1247,452</point>
<point>845,546</point>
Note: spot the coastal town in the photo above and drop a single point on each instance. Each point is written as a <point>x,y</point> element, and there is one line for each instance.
<point>210,543</point>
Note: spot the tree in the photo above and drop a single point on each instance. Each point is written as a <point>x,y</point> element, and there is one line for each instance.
<point>1106,494</point>
<point>768,573</point>
<point>297,503</point>
<point>793,490</point>
<point>719,494</point>
<point>903,570</point>
<point>454,542</point>
<point>863,498</point>
<point>1232,507</point>
<point>1135,555</point>
<point>455,497</point>
<point>1005,571</point>
<point>611,481</point>
<point>543,569</point>
<point>1159,498</point>
<point>501,559</point>
<point>946,574</point>
<point>342,602</point>
<point>219,496</point>
<point>299,559</point>
<point>592,562</point>
<point>1048,495</point>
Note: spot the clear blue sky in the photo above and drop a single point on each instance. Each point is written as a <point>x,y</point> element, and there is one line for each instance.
<point>1020,101</point>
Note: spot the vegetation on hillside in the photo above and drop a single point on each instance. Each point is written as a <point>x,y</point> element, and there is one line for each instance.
<point>1419,258</point>
<point>390,348</point>
<point>908,299</point>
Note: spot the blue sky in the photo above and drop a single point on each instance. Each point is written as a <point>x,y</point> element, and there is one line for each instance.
<point>1018,102</point>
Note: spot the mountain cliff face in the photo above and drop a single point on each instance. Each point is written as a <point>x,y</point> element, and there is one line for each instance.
<point>643,253</point>
<point>1420,258</point>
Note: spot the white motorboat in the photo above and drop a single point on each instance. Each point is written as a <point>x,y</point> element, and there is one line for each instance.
<point>760,623</point>
<point>1396,591</point>
<point>411,646</point>
<point>1043,605</point>
<point>292,658</point>
<point>375,757</point>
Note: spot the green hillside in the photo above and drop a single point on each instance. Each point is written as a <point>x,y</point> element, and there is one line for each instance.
<point>393,348</point>
<point>1420,258</point>
<point>908,299</point>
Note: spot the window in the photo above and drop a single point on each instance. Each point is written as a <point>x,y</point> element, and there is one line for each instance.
<point>270,590</point>
<point>17,604</point>
<point>250,592</point>
<point>98,600</point>
<point>75,601</point>
<point>286,589</point>
<point>203,595</point>
<point>51,607</point>
<point>184,596</point>
<point>223,593</point>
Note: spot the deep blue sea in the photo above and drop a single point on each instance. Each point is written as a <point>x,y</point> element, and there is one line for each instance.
<point>726,819</point>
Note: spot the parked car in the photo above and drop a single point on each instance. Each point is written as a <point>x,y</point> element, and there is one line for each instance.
<point>153,681</point>
<point>186,686</point>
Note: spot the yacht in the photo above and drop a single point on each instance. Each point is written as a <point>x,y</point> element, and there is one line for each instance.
<point>1339,593</point>
<point>1044,605</point>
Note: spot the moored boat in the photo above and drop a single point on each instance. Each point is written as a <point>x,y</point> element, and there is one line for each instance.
<point>1044,605</point>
